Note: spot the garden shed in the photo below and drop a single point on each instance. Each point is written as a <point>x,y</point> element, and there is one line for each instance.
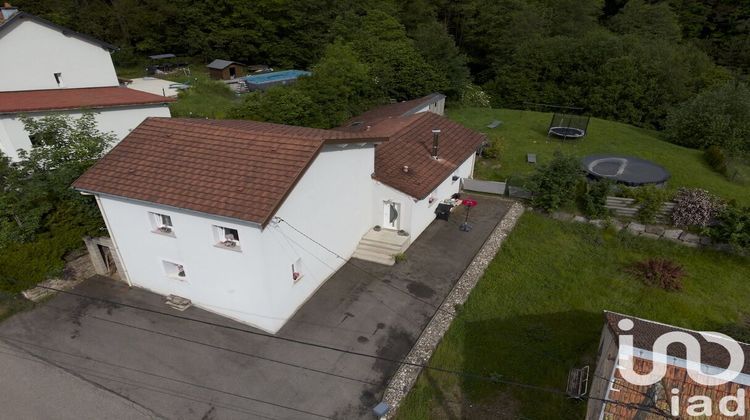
<point>225,69</point>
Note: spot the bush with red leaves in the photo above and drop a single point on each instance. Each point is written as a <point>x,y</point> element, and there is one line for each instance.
<point>659,272</point>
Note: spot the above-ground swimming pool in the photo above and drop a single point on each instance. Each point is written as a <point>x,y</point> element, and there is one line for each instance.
<point>264,80</point>
<point>626,170</point>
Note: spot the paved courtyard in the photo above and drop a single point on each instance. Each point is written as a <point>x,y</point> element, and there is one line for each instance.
<point>174,367</point>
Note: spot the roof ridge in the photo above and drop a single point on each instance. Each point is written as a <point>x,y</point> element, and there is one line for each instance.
<point>674,327</point>
<point>320,134</point>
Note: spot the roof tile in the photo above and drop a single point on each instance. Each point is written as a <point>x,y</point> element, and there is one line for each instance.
<point>58,99</point>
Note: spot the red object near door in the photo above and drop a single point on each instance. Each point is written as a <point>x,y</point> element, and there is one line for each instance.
<point>469,202</point>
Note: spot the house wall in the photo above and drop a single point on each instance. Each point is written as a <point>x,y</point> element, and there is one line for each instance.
<point>423,212</point>
<point>119,121</point>
<point>331,206</point>
<point>605,365</point>
<point>415,216</point>
<point>30,54</point>
<point>225,281</point>
<point>254,284</point>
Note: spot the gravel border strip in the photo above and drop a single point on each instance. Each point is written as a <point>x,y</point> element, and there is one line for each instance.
<point>406,376</point>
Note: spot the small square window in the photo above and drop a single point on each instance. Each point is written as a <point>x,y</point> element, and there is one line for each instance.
<point>174,270</point>
<point>227,237</point>
<point>162,223</point>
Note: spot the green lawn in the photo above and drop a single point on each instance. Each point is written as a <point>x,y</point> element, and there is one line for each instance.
<point>537,312</point>
<point>525,132</point>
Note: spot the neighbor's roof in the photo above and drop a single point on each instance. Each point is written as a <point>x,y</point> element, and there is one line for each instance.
<point>21,16</point>
<point>83,98</point>
<point>645,333</point>
<point>238,169</point>
<point>410,144</point>
<point>221,64</point>
<point>631,401</point>
<point>398,109</point>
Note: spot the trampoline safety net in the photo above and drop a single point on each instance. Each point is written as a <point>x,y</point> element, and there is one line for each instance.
<point>568,126</point>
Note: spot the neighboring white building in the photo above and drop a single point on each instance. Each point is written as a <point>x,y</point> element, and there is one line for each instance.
<point>248,219</point>
<point>46,69</point>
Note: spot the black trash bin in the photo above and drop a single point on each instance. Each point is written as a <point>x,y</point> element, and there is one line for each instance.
<point>443,211</point>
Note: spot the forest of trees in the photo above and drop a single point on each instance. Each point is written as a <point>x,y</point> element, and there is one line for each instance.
<point>627,60</point>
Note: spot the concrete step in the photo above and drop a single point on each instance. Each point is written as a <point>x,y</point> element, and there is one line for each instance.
<point>375,257</point>
<point>386,247</point>
<point>378,249</point>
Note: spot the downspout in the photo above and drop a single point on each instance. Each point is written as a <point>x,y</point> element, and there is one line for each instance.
<point>112,237</point>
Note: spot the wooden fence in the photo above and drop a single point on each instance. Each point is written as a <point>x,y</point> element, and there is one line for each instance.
<point>627,208</point>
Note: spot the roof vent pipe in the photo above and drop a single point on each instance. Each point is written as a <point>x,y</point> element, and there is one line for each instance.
<point>435,142</point>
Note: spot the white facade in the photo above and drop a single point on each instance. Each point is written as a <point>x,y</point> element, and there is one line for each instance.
<point>252,282</point>
<point>31,53</point>
<point>120,121</point>
<point>415,215</point>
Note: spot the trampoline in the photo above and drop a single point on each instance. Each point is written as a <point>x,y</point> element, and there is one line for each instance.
<point>628,170</point>
<point>567,132</point>
<point>568,126</point>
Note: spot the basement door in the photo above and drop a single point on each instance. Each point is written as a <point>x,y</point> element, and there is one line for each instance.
<point>391,215</point>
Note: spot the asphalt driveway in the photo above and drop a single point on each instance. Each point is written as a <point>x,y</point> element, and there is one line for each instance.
<point>181,368</point>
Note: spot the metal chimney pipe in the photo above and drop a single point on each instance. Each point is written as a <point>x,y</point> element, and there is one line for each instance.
<point>435,142</point>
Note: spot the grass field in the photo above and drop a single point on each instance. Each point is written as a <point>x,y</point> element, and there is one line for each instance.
<point>537,312</point>
<point>525,132</point>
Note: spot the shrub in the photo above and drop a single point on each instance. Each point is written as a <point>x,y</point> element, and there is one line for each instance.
<point>493,150</point>
<point>695,207</point>
<point>592,197</point>
<point>732,227</point>
<point>474,96</point>
<point>658,272</point>
<point>716,159</point>
<point>650,199</point>
<point>554,184</point>
<point>718,116</point>
<point>400,257</point>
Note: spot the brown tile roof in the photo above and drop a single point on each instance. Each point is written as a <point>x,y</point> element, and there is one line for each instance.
<point>238,169</point>
<point>646,332</point>
<point>398,109</point>
<point>59,99</point>
<point>647,402</point>
<point>410,144</point>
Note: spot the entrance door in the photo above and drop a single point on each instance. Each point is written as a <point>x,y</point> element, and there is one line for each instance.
<point>232,72</point>
<point>391,215</point>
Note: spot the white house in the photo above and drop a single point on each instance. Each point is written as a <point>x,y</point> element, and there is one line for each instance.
<point>45,69</point>
<point>248,219</point>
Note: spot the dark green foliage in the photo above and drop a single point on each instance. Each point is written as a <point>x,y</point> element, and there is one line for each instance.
<point>648,20</point>
<point>717,117</point>
<point>733,227</point>
<point>554,184</point>
<point>592,197</point>
<point>716,159</point>
<point>340,87</point>
<point>401,72</point>
<point>439,50</point>
<point>658,272</point>
<point>41,217</point>
<point>280,104</point>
